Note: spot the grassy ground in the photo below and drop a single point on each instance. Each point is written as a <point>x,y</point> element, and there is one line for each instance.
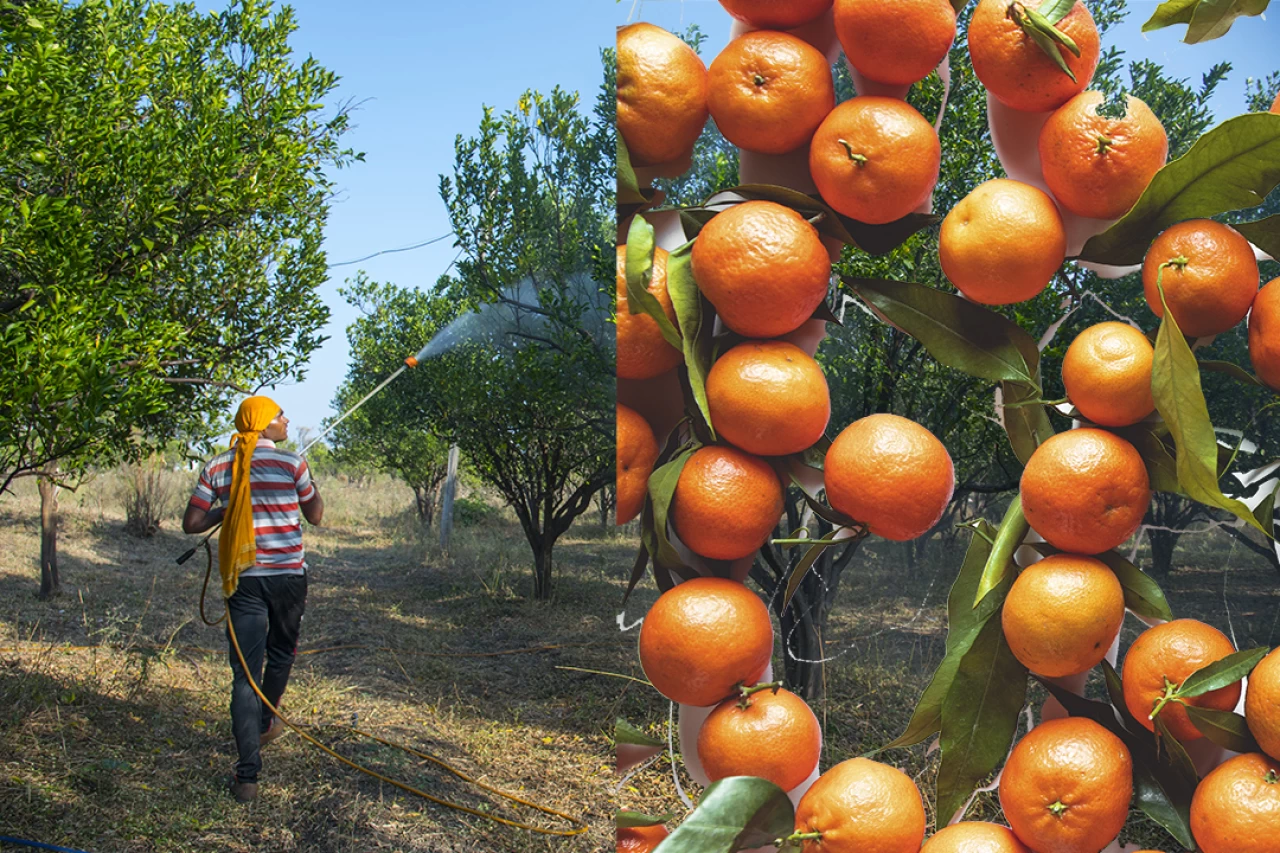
<point>125,746</point>
<point>114,731</point>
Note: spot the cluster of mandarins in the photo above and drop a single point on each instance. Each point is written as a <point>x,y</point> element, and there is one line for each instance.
<point>708,642</point>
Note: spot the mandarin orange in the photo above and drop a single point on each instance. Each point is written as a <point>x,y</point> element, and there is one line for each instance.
<point>642,351</point>
<point>895,41</point>
<point>636,451</point>
<point>775,737</point>
<point>1107,374</point>
<point>726,502</point>
<point>662,94</point>
<point>1167,654</point>
<point>862,806</point>
<point>1264,334</point>
<point>1015,70</point>
<point>768,397</point>
<point>1236,807</point>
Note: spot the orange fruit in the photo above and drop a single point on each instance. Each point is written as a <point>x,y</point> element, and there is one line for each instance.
<point>1170,652</point>
<point>898,41</point>
<point>776,737</point>
<point>768,397</point>
<point>726,502</point>
<point>1275,105</point>
<point>890,473</point>
<point>1211,278</point>
<point>704,638</point>
<point>637,450</point>
<point>1097,166</point>
<point>1236,808</point>
<point>642,351</point>
<point>1002,243</point>
<point>1085,491</point>
<point>862,806</point>
<point>1264,334</point>
<point>769,91</point>
<point>763,266</point>
<point>972,836</point>
<point>875,159</point>
<point>1262,704</point>
<point>775,14</point>
<point>1066,786</point>
<point>662,94</point>
<point>641,839</point>
<point>1107,374</point>
<point>1014,69</point>
<point>1062,613</point>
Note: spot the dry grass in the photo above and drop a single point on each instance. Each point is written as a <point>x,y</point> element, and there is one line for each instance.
<point>125,745</point>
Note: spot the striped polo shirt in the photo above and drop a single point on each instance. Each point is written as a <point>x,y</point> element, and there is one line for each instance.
<point>280,482</point>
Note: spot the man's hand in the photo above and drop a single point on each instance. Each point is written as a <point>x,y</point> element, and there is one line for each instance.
<point>197,520</point>
<point>313,510</point>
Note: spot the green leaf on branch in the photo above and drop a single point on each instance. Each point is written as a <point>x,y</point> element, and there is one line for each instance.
<point>1055,10</point>
<point>662,488</point>
<point>1221,673</point>
<point>687,300</point>
<point>638,566</point>
<point>1142,594</point>
<point>1162,467</point>
<point>1169,13</point>
<point>1209,19</point>
<point>624,732</point>
<point>1225,728</point>
<point>1174,754</point>
<point>872,239</point>
<point>629,193</point>
<point>807,561</point>
<point>628,820</point>
<point>1231,167</point>
<point>1027,424</point>
<point>693,221</point>
<point>738,813</point>
<point>963,624</point>
<point>639,268</point>
<point>955,331</point>
<point>979,717</point>
<point>1233,370</point>
<point>1013,528</point>
<point>1175,384</point>
<point>1264,233</point>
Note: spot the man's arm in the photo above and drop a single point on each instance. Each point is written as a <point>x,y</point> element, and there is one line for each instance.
<point>197,520</point>
<point>313,510</point>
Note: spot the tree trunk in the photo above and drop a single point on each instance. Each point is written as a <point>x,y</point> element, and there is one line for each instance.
<point>446,503</point>
<point>1162,545</point>
<point>49,584</point>
<point>542,568</point>
<point>801,625</point>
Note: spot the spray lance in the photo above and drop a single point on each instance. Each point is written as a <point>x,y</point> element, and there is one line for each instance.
<point>411,361</point>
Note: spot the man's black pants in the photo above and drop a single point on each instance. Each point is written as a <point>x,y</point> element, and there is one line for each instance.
<point>267,615</point>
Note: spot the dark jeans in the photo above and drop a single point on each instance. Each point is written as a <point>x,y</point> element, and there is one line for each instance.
<point>267,615</point>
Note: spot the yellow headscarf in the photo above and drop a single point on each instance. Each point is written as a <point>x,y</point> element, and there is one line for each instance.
<point>237,545</point>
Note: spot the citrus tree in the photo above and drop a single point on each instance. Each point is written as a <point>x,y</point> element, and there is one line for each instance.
<point>1101,373</point>
<point>166,183</point>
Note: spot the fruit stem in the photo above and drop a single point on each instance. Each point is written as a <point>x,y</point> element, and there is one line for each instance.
<point>1180,262</point>
<point>796,839</point>
<point>1170,695</point>
<point>758,80</point>
<point>860,159</point>
<point>1103,144</point>
<point>1271,777</point>
<point>1058,809</point>
<point>745,691</point>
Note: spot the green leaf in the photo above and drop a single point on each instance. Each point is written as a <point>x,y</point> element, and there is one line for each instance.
<point>955,331</point>
<point>1227,729</point>
<point>627,820</point>
<point>687,300</point>
<point>824,312</point>
<point>1221,673</point>
<point>963,624</point>
<point>25,210</point>
<point>959,5</point>
<point>624,732</point>
<point>694,220</point>
<point>1000,566</point>
<point>1162,468</point>
<point>639,264</point>
<point>1027,426</point>
<point>1263,233</point>
<point>1235,371</point>
<point>662,488</point>
<point>1046,38</point>
<point>1055,10</point>
<point>1142,594</point>
<point>1265,511</point>
<point>1174,756</point>
<point>873,239</point>
<point>1231,167</point>
<point>806,562</point>
<point>1170,13</point>
<point>637,569</point>
<point>1078,706</point>
<point>737,813</point>
<point>629,192</point>
<point>1175,384</point>
<point>1213,18</point>
<point>979,717</point>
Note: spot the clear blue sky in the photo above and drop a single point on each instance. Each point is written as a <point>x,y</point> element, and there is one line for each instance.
<point>426,70</point>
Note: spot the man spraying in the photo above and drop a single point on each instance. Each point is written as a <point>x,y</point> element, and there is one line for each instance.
<point>261,490</point>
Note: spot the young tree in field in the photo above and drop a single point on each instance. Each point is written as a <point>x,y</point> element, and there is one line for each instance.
<point>163,190</point>
<point>385,432</point>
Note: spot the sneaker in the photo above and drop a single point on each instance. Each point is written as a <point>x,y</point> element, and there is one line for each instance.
<point>244,792</point>
<point>277,728</point>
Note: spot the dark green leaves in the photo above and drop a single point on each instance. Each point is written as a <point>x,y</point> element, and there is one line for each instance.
<point>639,268</point>
<point>687,300</point>
<point>624,732</point>
<point>1221,673</point>
<point>738,813</point>
<point>873,239</point>
<point>979,717</point>
<point>955,331</point>
<point>662,488</point>
<point>1142,594</point>
<point>1232,167</point>
<point>1175,384</point>
<point>626,819</point>
<point>1013,528</point>
<point>1206,19</point>
<point>1225,728</point>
